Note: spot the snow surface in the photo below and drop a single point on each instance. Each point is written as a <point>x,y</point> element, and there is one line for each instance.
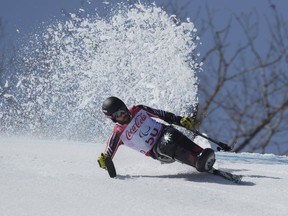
<point>60,178</point>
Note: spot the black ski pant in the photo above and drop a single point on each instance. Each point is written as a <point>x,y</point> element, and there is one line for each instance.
<point>174,144</point>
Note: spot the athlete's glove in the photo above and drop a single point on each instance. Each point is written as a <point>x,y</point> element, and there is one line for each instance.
<point>101,160</point>
<point>187,122</point>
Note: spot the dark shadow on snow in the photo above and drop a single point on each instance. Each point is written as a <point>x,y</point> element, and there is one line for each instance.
<point>259,176</point>
<point>193,177</point>
<point>250,176</point>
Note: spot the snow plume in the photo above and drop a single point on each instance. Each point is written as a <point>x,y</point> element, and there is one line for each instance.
<point>138,53</point>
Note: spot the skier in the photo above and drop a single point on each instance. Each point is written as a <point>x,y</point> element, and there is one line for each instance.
<point>137,128</point>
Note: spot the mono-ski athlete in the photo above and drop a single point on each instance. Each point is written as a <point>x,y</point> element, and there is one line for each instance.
<point>136,127</point>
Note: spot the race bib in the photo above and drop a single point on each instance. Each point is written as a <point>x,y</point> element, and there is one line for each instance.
<point>142,132</point>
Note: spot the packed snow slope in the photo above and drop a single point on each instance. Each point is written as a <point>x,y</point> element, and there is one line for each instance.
<point>60,178</point>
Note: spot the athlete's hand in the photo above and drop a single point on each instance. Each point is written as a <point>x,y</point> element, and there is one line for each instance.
<point>101,160</point>
<point>188,122</point>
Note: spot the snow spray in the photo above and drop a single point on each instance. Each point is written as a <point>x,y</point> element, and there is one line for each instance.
<point>138,53</point>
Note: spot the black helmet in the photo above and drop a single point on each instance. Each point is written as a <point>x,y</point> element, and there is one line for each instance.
<point>113,104</point>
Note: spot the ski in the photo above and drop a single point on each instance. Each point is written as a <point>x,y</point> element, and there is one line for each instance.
<point>227,175</point>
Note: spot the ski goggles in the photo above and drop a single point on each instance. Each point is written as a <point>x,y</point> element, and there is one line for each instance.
<point>118,113</point>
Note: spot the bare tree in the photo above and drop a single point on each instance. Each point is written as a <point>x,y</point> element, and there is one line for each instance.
<point>244,86</point>
<point>250,93</point>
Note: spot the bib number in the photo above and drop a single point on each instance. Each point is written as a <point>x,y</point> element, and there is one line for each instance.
<point>153,134</point>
